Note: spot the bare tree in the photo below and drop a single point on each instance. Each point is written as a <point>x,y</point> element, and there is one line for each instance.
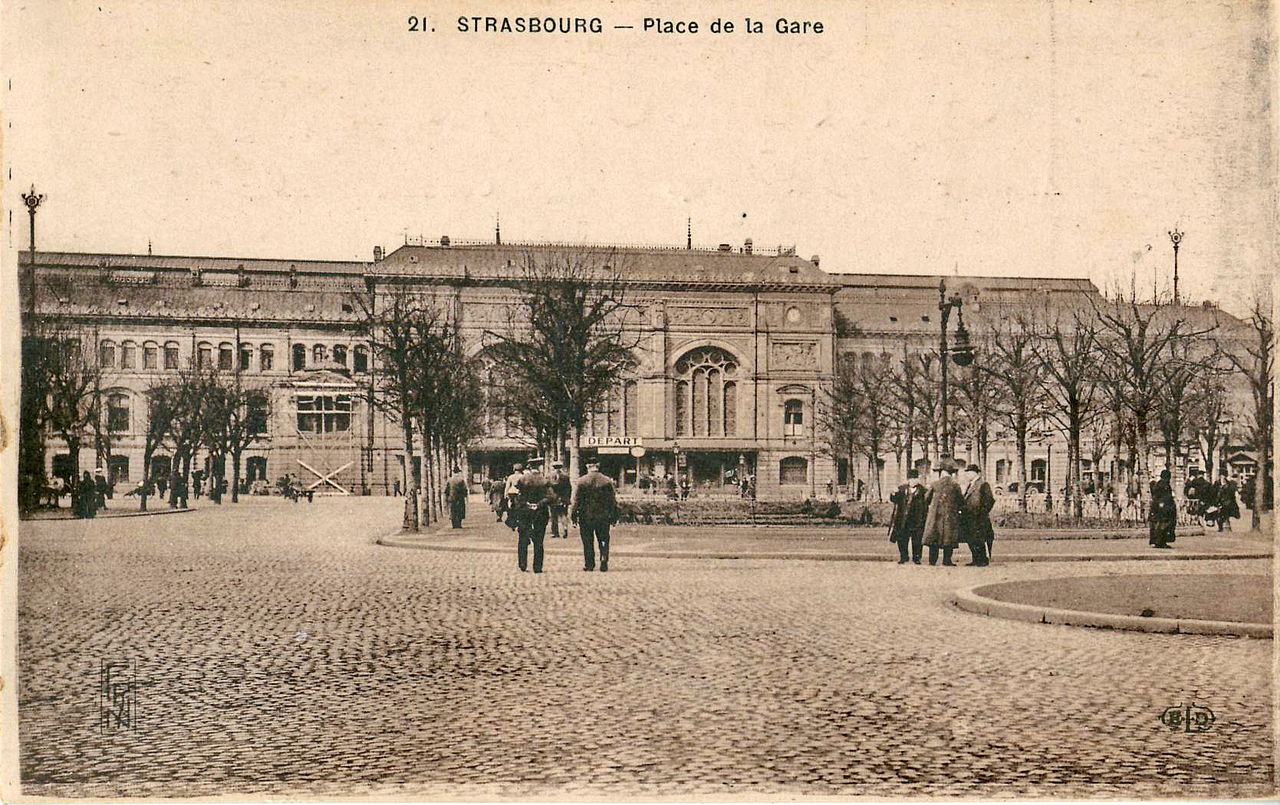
<point>860,415</point>
<point>1255,359</point>
<point>1018,375</point>
<point>568,340</point>
<point>1135,343</point>
<point>72,380</point>
<point>1068,356</point>
<point>161,409</point>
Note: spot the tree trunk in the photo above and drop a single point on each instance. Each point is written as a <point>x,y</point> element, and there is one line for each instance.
<point>1260,485</point>
<point>235,476</point>
<point>1074,449</point>
<point>575,452</point>
<point>147,452</point>
<point>1021,436</point>
<point>411,476</point>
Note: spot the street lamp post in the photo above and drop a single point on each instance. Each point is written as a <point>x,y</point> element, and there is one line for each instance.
<point>961,353</point>
<point>1176,237</point>
<point>32,200</point>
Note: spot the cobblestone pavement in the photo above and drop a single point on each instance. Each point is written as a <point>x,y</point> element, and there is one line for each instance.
<point>280,651</point>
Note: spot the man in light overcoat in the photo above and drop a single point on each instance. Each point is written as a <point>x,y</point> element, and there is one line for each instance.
<point>942,527</point>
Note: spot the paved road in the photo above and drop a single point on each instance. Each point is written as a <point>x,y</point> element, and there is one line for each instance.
<point>281,651</point>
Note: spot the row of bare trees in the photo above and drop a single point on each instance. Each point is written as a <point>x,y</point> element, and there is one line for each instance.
<point>1113,377</point>
<point>63,394</point>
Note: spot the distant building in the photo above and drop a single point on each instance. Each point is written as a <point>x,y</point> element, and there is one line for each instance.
<point>736,347</point>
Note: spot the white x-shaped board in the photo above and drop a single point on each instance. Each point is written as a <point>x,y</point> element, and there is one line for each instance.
<point>323,478</point>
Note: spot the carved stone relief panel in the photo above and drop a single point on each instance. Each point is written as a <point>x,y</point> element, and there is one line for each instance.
<point>690,316</point>
<point>785,355</point>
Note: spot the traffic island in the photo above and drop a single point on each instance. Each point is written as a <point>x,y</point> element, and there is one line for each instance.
<point>1192,603</point>
<point>104,514</point>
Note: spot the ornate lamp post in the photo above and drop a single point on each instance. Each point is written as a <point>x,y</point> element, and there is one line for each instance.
<point>32,200</point>
<point>1176,237</point>
<point>961,353</point>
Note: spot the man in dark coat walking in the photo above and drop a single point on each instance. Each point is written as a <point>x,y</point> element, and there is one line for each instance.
<point>563,489</point>
<point>455,494</point>
<point>1196,492</point>
<point>594,508</point>
<point>942,526</point>
<point>910,509</point>
<point>532,506</point>
<point>1164,512</point>
<point>976,515</point>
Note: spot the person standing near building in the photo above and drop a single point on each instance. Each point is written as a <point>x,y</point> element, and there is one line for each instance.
<point>86,497</point>
<point>942,526</point>
<point>1163,516</point>
<point>563,489</point>
<point>1228,503</point>
<point>594,509</point>
<point>1195,491</point>
<point>978,502</point>
<point>910,509</point>
<point>455,494</point>
<point>101,487</point>
<point>533,508</point>
<point>511,495</point>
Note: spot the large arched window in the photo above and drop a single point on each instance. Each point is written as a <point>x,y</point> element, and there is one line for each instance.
<point>621,412</point>
<point>707,393</point>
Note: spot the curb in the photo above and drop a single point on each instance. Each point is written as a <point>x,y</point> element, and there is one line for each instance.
<point>968,600</point>
<point>148,513</point>
<point>421,543</point>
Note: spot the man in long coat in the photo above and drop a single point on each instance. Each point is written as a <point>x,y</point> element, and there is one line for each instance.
<point>976,517</point>
<point>1163,516</point>
<point>455,494</point>
<point>942,526</point>
<point>532,508</point>
<point>910,510</point>
<point>594,508</point>
<point>563,489</point>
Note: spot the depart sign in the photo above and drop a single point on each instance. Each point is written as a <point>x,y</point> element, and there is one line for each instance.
<point>612,441</point>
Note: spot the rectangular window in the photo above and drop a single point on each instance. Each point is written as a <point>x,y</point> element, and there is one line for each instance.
<point>171,356</point>
<point>266,358</point>
<point>246,358</point>
<point>150,356</point>
<point>224,358</point>
<point>324,413</point>
<point>205,357</point>
<point>107,356</point>
<point>127,356</point>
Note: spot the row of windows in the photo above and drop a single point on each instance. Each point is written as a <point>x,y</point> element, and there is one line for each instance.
<point>153,355</point>
<point>119,409</point>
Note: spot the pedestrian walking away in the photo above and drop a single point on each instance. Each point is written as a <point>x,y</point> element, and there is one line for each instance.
<point>910,510</point>
<point>510,496</point>
<point>532,506</point>
<point>455,494</point>
<point>976,515</point>
<point>594,509</point>
<point>942,528</point>
<point>563,489</point>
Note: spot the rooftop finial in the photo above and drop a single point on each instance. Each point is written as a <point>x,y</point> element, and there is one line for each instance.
<point>688,238</point>
<point>148,247</point>
<point>497,228</point>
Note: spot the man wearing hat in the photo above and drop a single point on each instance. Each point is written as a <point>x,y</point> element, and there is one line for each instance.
<point>562,487</point>
<point>942,526</point>
<point>101,487</point>
<point>455,494</point>
<point>533,508</point>
<point>978,502</point>
<point>594,509</point>
<point>510,494</point>
<point>910,509</point>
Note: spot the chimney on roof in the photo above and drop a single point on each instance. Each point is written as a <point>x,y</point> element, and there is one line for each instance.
<point>196,277</point>
<point>242,278</point>
<point>746,246</point>
<point>377,254</point>
<point>497,229</point>
<point>814,260</point>
<point>725,247</point>
<point>444,240</point>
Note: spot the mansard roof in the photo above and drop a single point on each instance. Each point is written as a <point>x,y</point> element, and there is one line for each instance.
<point>480,262</point>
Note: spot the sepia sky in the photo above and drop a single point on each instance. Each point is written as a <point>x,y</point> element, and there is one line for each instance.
<point>1007,138</point>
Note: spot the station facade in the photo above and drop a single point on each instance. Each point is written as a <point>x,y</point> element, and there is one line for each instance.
<point>734,350</point>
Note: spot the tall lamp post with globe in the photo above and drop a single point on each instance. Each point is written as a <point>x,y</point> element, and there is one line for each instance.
<point>961,353</point>
<point>32,200</point>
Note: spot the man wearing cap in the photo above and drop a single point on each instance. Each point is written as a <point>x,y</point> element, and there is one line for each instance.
<point>976,519</point>
<point>594,509</point>
<point>562,487</point>
<point>910,509</point>
<point>942,526</point>
<point>455,494</point>
<point>533,507</point>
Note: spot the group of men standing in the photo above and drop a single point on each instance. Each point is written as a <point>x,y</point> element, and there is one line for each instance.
<point>532,500</point>
<point>941,517</point>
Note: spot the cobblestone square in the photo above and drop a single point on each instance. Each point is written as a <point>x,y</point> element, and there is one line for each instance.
<point>280,650</point>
